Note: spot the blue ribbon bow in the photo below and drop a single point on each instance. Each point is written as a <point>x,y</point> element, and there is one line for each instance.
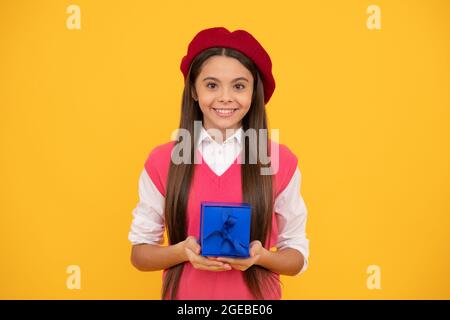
<point>224,232</point>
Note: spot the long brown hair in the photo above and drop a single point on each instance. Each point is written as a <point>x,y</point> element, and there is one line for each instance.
<point>257,189</point>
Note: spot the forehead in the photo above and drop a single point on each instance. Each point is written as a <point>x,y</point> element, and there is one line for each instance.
<point>223,67</point>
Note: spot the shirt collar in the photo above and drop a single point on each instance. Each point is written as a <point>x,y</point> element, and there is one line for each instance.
<point>204,136</point>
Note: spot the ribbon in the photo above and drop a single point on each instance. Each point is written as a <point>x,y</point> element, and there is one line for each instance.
<point>228,224</point>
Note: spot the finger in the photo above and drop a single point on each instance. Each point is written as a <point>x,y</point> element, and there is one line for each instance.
<point>212,258</point>
<point>228,260</point>
<point>213,263</point>
<point>193,245</point>
<point>197,259</point>
<point>189,253</point>
<point>196,247</point>
<point>241,262</point>
<point>224,267</point>
<point>255,243</point>
<point>193,256</point>
<point>255,258</point>
<point>255,247</point>
<point>192,239</point>
<point>208,262</point>
<point>206,266</point>
<point>238,267</point>
<point>212,268</point>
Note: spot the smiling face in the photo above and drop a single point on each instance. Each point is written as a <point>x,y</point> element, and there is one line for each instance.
<point>224,90</point>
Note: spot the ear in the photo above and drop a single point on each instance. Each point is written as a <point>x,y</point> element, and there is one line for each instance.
<point>194,94</point>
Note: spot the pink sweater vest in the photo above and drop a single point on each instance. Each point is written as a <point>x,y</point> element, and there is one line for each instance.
<point>207,186</point>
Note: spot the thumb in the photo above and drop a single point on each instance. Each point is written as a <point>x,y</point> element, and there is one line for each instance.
<point>196,248</point>
<point>192,243</point>
<point>254,248</point>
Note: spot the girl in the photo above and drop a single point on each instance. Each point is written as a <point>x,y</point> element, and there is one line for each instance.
<point>228,81</point>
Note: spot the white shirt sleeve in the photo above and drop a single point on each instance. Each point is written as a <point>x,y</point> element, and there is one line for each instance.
<point>291,216</point>
<point>148,216</point>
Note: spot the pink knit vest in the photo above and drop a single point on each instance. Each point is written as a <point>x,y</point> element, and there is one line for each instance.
<point>207,186</point>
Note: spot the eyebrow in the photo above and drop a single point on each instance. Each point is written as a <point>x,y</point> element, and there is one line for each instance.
<point>234,80</point>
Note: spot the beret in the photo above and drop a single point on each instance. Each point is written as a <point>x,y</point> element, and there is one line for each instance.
<point>239,40</point>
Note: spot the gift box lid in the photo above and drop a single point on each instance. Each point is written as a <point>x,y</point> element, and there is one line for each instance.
<point>224,204</point>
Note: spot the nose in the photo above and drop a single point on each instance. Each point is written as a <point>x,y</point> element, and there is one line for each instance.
<point>225,95</point>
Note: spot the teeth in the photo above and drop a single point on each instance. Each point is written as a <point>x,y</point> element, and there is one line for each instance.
<point>225,111</point>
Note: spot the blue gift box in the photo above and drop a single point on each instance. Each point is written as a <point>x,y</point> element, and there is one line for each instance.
<point>225,229</point>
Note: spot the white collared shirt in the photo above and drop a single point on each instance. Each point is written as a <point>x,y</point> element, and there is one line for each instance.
<point>219,156</point>
<point>291,213</point>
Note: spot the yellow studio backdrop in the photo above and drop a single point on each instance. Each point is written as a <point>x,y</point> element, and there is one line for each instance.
<point>365,108</point>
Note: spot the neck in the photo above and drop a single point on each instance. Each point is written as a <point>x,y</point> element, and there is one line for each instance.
<point>224,133</point>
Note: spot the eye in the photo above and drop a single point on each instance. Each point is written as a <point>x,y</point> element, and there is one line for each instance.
<point>240,85</point>
<point>210,83</point>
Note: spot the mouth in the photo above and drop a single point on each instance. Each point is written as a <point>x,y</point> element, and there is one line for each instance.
<point>224,112</point>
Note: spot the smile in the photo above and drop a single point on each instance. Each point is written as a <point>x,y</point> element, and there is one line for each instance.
<point>224,112</point>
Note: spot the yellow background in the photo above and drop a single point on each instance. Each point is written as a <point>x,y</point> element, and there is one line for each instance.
<point>366,112</point>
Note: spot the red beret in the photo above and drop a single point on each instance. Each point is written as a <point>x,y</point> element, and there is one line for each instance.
<point>240,40</point>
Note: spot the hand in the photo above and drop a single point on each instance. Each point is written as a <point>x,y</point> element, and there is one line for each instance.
<point>256,250</point>
<point>192,250</point>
